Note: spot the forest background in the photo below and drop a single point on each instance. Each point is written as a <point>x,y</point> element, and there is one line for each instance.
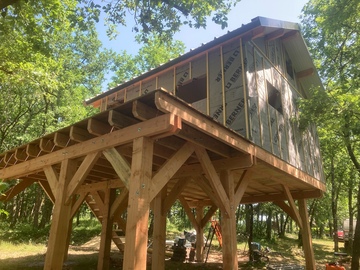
<point>52,60</point>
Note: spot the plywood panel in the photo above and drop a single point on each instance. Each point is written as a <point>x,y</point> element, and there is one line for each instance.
<point>148,86</point>
<point>215,85</point>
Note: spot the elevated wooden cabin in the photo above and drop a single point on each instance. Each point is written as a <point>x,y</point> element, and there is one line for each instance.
<point>213,128</point>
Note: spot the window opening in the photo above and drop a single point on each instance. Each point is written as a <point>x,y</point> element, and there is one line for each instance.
<point>274,97</point>
<point>192,90</point>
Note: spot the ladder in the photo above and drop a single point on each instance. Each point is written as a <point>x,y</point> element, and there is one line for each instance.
<point>214,229</point>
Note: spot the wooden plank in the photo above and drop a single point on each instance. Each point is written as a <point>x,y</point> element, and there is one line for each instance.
<point>53,178</point>
<point>174,193</point>
<point>241,186</point>
<point>214,179</point>
<point>57,244</point>
<point>15,190</point>
<point>292,205</point>
<point>142,111</point>
<point>135,254</point>
<point>81,174</point>
<point>166,172</point>
<point>106,232</point>
<point>152,127</point>
<point>120,165</point>
<point>306,236</point>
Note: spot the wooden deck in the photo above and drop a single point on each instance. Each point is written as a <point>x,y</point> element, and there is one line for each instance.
<point>153,149</point>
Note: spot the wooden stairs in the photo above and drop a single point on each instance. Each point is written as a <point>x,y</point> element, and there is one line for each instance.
<point>95,202</point>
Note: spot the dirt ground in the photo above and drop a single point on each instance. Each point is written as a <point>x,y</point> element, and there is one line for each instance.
<point>85,257</point>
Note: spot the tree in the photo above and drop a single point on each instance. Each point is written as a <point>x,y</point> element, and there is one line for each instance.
<point>164,17</point>
<point>332,30</point>
<point>152,54</point>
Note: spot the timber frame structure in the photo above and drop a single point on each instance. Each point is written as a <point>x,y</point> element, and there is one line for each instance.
<point>144,154</point>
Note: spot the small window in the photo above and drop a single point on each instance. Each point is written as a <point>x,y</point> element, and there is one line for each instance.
<point>274,97</point>
<point>192,90</point>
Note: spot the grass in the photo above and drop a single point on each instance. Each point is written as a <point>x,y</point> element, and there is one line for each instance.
<point>32,256</point>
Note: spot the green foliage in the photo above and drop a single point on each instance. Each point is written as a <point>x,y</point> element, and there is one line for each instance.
<point>86,230</point>
<point>162,17</point>
<point>48,66</point>
<point>23,233</point>
<point>152,54</point>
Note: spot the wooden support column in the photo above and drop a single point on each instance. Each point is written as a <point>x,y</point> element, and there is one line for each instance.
<point>136,238</point>
<point>57,244</point>
<point>159,233</point>
<point>306,236</point>
<point>228,225</point>
<point>106,231</point>
<point>199,234</point>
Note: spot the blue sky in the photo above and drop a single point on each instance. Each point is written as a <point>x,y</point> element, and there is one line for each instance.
<point>287,10</point>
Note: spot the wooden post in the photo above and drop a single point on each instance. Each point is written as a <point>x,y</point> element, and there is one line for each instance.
<point>57,244</point>
<point>199,234</point>
<point>139,205</point>
<point>106,231</point>
<point>228,225</point>
<point>159,234</point>
<point>306,236</point>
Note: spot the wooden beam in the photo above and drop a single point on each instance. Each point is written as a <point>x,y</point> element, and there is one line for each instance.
<point>78,203</point>
<point>97,127</point>
<point>280,196</point>
<point>241,162</point>
<point>205,186</point>
<point>292,205</point>
<point>62,140</point>
<point>15,190</point>
<point>170,167</point>
<point>53,177</point>
<point>208,215</point>
<point>214,179</point>
<point>20,154</point>
<point>174,193</point>
<point>159,232</point>
<point>228,224</point>
<point>78,134</point>
<point>106,232</point>
<point>199,252</point>
<point>57,244</point>
<point>100,186</point>
<point>46,187</point>
<point>188,212</point>
<point>135,254</point>
<point>32,150</point>
<point>119,120</point>
<point>120,165</point>
<point>306,236</point>
<point>81,174</point>
<point>287,209</point>
<point>47,145</point>
<point>201,122</point>
<point>241,186</point>
<point>120,200</point>
<point>152,127</point>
